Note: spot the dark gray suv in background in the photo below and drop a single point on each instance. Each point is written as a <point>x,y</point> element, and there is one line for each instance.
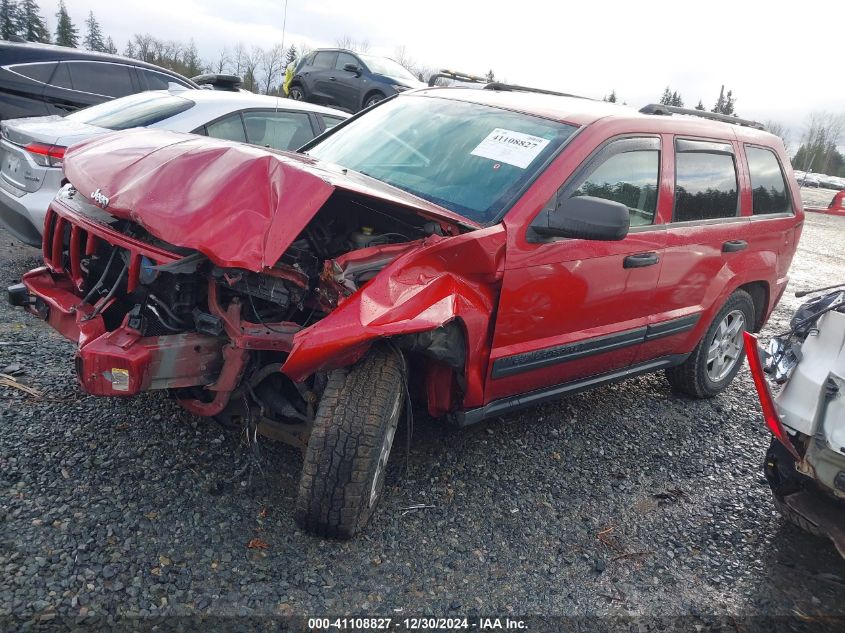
<point>40,79</point>
<point>348,80</point>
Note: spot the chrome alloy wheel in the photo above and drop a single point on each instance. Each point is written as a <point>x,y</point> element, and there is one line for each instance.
<point>725,348</point>
<point>387,444</point>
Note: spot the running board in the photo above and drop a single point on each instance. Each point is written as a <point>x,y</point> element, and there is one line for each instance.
<point>532,398</point>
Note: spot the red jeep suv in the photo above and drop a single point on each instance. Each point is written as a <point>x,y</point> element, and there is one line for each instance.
<point>483,250</point>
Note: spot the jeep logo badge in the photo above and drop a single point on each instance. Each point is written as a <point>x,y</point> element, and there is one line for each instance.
<point>100,199</point>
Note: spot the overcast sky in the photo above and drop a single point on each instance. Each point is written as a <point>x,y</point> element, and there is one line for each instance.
<point>782,60</point>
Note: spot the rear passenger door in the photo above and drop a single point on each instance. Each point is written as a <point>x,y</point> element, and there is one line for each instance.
<point>705,238</point>
<point>318,77</point>
<point>773,231</point>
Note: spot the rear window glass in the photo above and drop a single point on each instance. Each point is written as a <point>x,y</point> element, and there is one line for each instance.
<point>110,80</point>
<point>705,186</point>
<point>324,60</point>
<point>769,192</point>
<point>139,110</point>
<point>38,72</point>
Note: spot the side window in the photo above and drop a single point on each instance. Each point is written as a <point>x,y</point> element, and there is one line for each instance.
<point>230,128</point>
<point>154,80</point>
<point>38,72</point>
<point>768,187</point>
<point>279,130</point>
<point>630,178</point>
<point>111,80</point>
<point>61,78</point>
<point>330,121</point>
<point>343,59</point>
<point>705,183</point>
<point>324,60</point>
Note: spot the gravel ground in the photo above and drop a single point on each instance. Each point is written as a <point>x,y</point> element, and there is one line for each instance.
<point>625,501</point>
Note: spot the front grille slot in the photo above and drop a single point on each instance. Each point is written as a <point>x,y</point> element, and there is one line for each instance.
<point>68,241</point>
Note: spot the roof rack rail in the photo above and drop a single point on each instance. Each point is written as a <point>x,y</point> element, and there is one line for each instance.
<point>457,76</point>
<point>668,110</point>
<point>496,85</point>
<point>493,85</point>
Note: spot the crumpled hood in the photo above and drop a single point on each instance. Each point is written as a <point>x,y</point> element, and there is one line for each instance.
<point>239,205</point>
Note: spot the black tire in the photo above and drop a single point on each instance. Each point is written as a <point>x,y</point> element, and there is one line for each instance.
<point>372,99</point>
<point>342,478</point>
<point>297,92</point>
<point>692,377</point>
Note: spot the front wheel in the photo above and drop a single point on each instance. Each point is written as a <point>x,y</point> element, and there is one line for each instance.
<point>373,99</point>
<point>296,93</point>
<point>350,443</point>
<point>716,359</point>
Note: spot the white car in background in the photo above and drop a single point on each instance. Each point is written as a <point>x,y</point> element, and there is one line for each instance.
<point>32,149</point>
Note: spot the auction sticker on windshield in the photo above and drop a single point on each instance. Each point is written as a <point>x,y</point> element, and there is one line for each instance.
<point>513,148</point>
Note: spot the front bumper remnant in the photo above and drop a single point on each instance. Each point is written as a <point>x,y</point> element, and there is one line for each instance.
<point>121,362</point>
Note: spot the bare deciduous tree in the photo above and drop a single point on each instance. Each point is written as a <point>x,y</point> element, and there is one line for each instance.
<point>272,64</point>
<point>350,43</point>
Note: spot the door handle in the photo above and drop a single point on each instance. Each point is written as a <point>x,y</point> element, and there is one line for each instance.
<point>640,260</point>
<point>732,246</point>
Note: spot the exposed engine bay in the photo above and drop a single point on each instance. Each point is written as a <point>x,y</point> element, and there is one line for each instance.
<point>192,300</point>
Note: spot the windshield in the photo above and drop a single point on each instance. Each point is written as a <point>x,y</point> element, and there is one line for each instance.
<point>389,68</point>
<point>472,159</point>
<point>138,110</point>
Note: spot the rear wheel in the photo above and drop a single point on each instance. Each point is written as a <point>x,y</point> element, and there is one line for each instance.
<point>718,356</point>
<point>296,93</point>
<point>350,443</point>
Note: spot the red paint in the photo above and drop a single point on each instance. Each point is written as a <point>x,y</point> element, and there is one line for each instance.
<point>770,414</point>
<point>243,206</point>
<point>239,205</point>
<point>836,206</point>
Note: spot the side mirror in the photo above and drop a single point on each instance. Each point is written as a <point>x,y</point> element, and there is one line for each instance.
<point>585,218</point>
<point>352,68</point>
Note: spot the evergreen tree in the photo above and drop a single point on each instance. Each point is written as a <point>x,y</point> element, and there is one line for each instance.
<point>110,47</point>
<point>666,99</point>
<point>720,102</point>
<point>31,26</point>
<point>676,100</point>
<point>129,51</point>
<point>291,55</point>
<point>93,39</point>
<point>8,19</point>
<point>490,76</point>
<point>725,103</point>
<point>191,60</point>
<point>66,32</point>
<point>728,108</point>
<point>611,98</point>
<point>700,105</point>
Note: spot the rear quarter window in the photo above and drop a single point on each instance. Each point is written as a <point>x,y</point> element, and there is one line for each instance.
<point>705,186</point>
<point>768,186</point>
<point>39,72</point>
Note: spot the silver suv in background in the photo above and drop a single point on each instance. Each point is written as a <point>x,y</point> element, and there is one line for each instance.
<point>32,149</point>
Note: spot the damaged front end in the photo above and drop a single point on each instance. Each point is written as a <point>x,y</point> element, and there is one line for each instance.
<point>239,292</point>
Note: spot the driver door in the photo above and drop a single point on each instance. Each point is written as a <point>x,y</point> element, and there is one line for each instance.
<point>572,308</point>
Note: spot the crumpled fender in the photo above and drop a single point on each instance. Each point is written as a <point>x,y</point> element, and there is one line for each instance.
<point>443,279</point>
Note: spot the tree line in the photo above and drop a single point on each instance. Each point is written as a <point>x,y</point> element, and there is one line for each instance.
<point>262,70</point>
